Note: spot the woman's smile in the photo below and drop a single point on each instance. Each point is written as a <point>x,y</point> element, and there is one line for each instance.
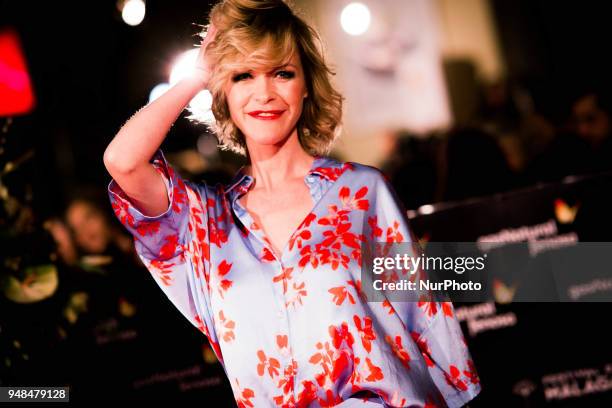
<point>267,115</point>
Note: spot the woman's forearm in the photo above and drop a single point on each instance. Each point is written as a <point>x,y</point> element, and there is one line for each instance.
<point>144,132</point>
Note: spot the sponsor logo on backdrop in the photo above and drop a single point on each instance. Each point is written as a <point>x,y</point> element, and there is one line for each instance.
<point>483,317</point>
<point>577,383</point>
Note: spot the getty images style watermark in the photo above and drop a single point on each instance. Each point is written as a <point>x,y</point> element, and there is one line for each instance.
<point>410,265</point>
<point>471,272</point>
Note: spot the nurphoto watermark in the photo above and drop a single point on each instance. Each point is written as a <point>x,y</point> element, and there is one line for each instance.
<point>473,272</point>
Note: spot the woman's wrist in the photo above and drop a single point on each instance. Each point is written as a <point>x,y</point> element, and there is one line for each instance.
<point>197,78</point>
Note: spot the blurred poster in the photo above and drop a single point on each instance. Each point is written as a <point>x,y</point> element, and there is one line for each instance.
<point>389,68</point>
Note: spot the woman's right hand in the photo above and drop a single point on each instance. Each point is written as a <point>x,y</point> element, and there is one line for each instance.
<point>203,67</point>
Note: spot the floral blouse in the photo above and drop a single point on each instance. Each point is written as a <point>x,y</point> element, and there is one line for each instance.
<point>295,330</point>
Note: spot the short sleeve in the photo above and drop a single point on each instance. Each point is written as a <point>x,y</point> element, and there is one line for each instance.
<point>432,325</point>
<point>161,237</point>
<point>174,246</point>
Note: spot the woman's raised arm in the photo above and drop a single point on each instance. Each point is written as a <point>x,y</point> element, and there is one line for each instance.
<point>127,156</point>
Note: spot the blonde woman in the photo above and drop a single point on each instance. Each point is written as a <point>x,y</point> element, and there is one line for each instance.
<point>268,267</point>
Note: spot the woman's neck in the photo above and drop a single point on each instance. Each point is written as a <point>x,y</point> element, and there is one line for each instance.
<point>274,165</point>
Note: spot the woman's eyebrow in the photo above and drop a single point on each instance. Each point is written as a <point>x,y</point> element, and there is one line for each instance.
<point>284,66</point>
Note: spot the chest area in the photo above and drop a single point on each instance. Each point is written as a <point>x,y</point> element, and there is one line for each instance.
<point>277,215</point>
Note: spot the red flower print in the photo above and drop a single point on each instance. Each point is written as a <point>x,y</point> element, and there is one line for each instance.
<point>308,256</point>
<point>447,309</point>
<point>163,270</point>
<point>286,383</point>
<point>376,373</point>
<point>396,400</point>
<point>308,394</point>
<point>386,304</point>
<point>296,294</point>
<point>453,378</point>
<point>196,217</point>
<point>222,269</point>
<point>333,258</point>
<point>340,293</point>
<point>357,202</point>
<point>199,323</point>
<point>366,333</point>
<point>179,193</point>
<point>334,217</point>
<point>356,376</point>
<point>282,341</point>
<point>423,347</point>
<point>227,327</point>
<point>341,334</point>
<point>339,366</point>
<point>471,373</point>
<point>217,236</point>
<point>169,248</point>
<point>272,364</point>
<point>120,208</point>
<point>330,400</point>
<point>302,234</point>
<point>333,362</point>
<point>393,233</point>
<point>332,173</point>
<point>284,277</point>
<point>317,357</point>
<point>299,237</point>
<point>430,308</point>
<point>244,396</point>
<point>376,231</point>
<point>148,228</point>
<point>398,350</point>
<point>267,255</point>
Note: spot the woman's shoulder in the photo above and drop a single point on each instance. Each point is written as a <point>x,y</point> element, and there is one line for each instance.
<point>360,171</point>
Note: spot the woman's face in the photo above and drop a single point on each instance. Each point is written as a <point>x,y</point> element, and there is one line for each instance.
<point>266,105</point>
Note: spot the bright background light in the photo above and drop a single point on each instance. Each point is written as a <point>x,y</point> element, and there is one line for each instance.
<point>355,18</point>
<point>133,12</point>
<point>157,91</point>
<point>426,209</point>
<point>184,67</point>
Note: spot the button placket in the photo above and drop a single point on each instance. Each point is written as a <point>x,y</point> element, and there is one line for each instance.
<point>284,317</point>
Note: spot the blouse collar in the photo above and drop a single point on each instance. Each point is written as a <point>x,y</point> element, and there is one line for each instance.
<point>324,167</point>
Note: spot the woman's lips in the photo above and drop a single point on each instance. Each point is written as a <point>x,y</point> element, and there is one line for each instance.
<point>267,115</point>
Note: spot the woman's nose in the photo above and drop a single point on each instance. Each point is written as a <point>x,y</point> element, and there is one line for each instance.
<point>263,91</point>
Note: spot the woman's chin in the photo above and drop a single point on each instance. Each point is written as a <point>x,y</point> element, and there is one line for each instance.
<point>272,140</point>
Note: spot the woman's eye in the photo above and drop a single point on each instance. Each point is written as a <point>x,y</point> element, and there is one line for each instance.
<point>240,77</point>
<point>286,74</point>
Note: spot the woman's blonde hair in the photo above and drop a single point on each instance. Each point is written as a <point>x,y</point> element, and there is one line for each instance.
<point>262,34</point>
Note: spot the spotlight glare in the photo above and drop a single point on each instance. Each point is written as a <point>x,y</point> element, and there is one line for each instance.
<point>184,66</point>
<point>133,12</point>
<point>355,18</point>
<point>158,91</point>
<point>200,107</point>
<point>426,209</point>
